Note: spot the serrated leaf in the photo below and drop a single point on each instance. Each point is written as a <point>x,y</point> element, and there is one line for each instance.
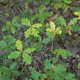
<point>65,53</point>
<point>28,32</point>
<point>73,21</point>
<point>47,64</point>
<point>35,75</point>
<point>12,29</point>
<point>15,19</point>
<point>12,66</point>
<point>41,9</point>
<point>19,45</point>
<point>29,50</point>
<point>27,58</point>
<point>52,25</point>
<point>35,32</point>
<point>46,40</point>
<point>25,21</point>
<point>61,20</point>
<point>59,69</point>
<point>14,54</point>
<point>5,28</point>
<point>37,25</point>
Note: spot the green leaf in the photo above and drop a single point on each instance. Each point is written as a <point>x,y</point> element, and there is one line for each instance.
<point>69,76</point>
<point>15,19</point>
<point>5,28</point>
<point>35,75</point>
<point>73,21</point>
<point>5,72</point>
<point>25,21</point>
<point>50,32</point>
<point>59,69</point>
<point>29,50</point>
<point>77,9</point>
<point>8,23</point>
<point>27,58</point>
<point>14,54</point>
<point>19,45</point>
<point>61,20</point>
<point>46,14</point>
<point>34,32</point>
<point>43,77</point>
<point>37,25</point>
<point>35,16</point>
<point>28,32</point>
<point>16,25</point>
<point>47,64</point>
<point>79,65</point>
<point>15,72</point>
<point>28,1</point>
<point>26,79</point>
<point>41,19</point>
<point>78,14</point>
<point>74,28</point>
<point>51,74</point>
<point>46,40</point>
<point>65,53</point>
<point>54,60</point>
<point>67,1</point>
<point>38,46</point>
<point>12,66</point>
<point>41,9</point>
<point>52,25</point>
<point>12,29</point>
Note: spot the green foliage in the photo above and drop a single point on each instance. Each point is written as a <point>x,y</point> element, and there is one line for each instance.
<point>12,25</point>
<point>41,15</point>
<point>35,75</point>
<point>47,64</point>
<point>46,40</point>
<point>63,53</point>
<point>33,30</point>
<point>5,73</point>
<point>8,43</point>
<point>78,14</point>
<point>19,45</point>
<point>25,21</point>
<point>19,51</point>
<point>61,20</point>
<point>79,65</point>
<point>27,58</point>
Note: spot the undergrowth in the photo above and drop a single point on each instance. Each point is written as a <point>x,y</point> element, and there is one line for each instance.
<point>15,51</point>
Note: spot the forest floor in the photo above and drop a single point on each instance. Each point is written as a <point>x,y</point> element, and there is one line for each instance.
<point>11,8</point>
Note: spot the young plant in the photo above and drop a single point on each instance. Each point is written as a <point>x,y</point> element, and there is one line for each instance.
<point>41,15</point>
<point>67,28</point>
<point>12,25</point>
<point>7,44</point>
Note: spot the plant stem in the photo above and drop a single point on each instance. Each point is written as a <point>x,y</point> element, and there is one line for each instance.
<point>52,45</point>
